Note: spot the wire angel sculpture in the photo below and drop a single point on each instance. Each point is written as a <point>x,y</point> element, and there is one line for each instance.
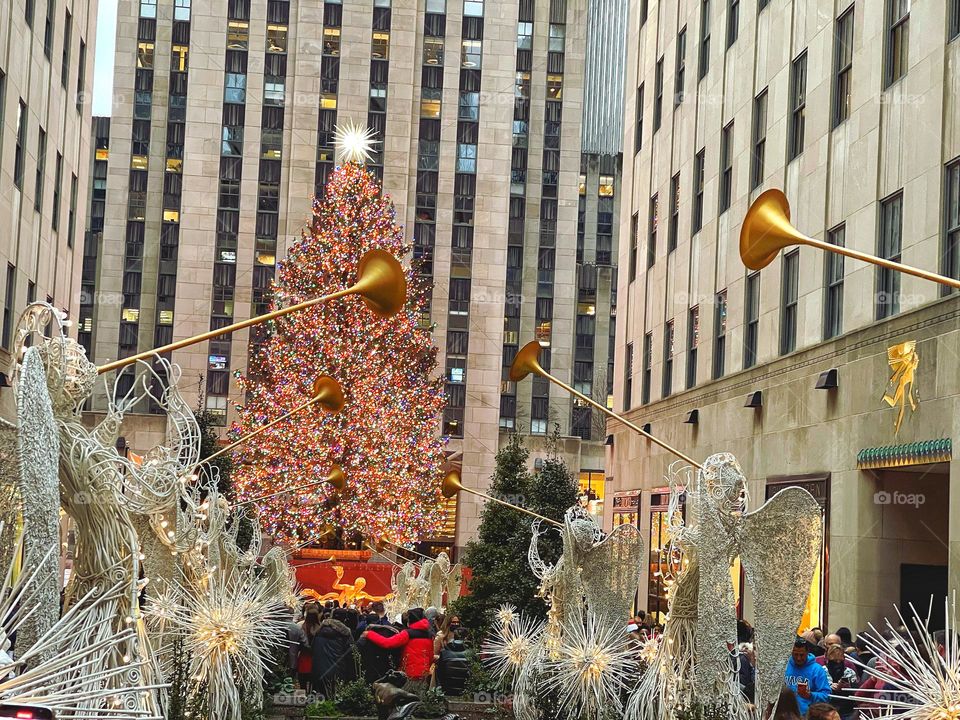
<point>778,545</point>
<point>76,680</point>
<point>603,569</point>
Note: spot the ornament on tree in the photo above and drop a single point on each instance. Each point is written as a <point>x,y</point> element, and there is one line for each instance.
<point>385,438</point>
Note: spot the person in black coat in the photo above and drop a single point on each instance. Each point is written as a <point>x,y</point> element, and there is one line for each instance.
<point>453,667</point>
<point>376,661</point>
<point>332,655</point>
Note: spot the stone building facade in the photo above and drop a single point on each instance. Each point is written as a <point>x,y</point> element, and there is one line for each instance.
<point>853,109</point>
<point>222,130</point>
<point>46,73</point>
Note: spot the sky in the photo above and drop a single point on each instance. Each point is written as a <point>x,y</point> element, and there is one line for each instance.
<point>103,61</point>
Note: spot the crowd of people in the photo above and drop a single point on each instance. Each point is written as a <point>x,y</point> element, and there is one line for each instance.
<point>331,645</point>
<point>828,676</point>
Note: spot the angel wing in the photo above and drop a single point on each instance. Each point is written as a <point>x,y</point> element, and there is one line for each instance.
<point>779,543</point>
<point>611,573</point>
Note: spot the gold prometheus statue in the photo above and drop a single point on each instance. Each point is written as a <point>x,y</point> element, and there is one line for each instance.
<point>348,594</point>
<point>903,360</point>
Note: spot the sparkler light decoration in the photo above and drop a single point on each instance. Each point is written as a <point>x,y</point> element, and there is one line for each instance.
<point>354,143</point>
<point>592,666</point>
<point>385,437</point>
<point>512,645</point>
<point>922,669</point>
<point>506,614</point>
<point>229,629</point>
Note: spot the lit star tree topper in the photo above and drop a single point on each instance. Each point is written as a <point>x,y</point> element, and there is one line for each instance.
<point>386,438</point>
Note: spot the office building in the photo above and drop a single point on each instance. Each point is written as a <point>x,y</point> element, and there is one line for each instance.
<point>853,109</point>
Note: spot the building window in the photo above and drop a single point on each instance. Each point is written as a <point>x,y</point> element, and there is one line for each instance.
<point>471,54</point>
<point>652,222</point>
<point>148,8</point>
<point>833,269</point>
<point>181,10</point>
<point>145,56</point>
<point>674,213</point>
<point>28,10</point>
<point>81,71</point>
<point>759,137</point>
<point>71,217</point>
<point>65,62</point>
<point>8,300</point>
<point>638,125</point>
<point>644,11</point>
<point>634,232</point>
<point>704,59</point>
<point>628,378</point>
<point>57,181</point>
<point>889,246</point>
<point>698,183</point>
<point>843,64</point>
<point>693,342</point>
<point>18,158</point>
<point>719,334</point>
<point>48,30</point>
<point>733,22</point>
<point>798,105</point>
<point>954,19</point>
<point>681,71</point>
<point>789,297</point>
<point>658,96</point>
<point>41,169</point>
<point>751,335</point>
<point>668,360</point>
<point>898,40</point>
<point>951,245</point>
<point>647,361</point>
<point>761,5</point>
<point>726,167</point>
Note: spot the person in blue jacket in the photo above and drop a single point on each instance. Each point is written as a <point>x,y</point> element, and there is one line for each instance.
<point>805,678</point>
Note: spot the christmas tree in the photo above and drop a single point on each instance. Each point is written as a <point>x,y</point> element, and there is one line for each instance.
<point>386,437</point>
<point>498,557</point>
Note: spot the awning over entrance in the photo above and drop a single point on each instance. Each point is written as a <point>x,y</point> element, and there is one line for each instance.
<point>918,453</point>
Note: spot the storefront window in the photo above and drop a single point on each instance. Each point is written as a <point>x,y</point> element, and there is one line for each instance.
<point>814,613</point>
<point>591,485</point>
<point>666,561</point>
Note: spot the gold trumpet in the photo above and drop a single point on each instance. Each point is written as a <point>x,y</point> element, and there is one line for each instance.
<point>767,230</point>
<point>335,479</point>
<point>326,393</point>
<point>380,282</point>
<point>452,486</point>
<point>528,361</point>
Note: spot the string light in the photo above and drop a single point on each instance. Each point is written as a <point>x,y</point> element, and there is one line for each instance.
<point>385,438</point>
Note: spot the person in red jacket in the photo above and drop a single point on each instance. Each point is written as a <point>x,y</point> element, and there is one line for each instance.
<point>416,641</point>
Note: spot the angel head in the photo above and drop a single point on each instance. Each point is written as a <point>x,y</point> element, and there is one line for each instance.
<point>724,486</point>
<point>70,376</point>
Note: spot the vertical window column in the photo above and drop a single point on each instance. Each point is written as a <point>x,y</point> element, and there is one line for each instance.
<point>379,74</point>
<point>137,193</point>
<point>464,198</point>
<point>268,185</point>
<point>329,87</point>
<point>228,205</point>
<point>470,108</point>
<point>550,180</point>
